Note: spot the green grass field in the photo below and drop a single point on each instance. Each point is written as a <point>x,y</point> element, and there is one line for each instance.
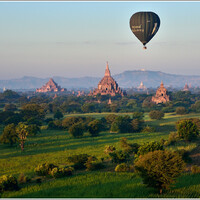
<point>56,146</point>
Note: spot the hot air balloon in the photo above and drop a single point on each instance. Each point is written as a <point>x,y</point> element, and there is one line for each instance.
<point>144,26</point>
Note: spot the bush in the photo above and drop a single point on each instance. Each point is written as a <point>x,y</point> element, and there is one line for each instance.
<point>77,130</point>
<point>93,164</point>
<point>123,167</point>
<point>78,160</point>
<point>8,183</point>
<point>61,172</point>
<point>44,169</point>
<point>180,110</point>
<point>195,169</point>
<point>185,155</point>
<point>149,147</point>
<point>109,149</point>
<point>128,147</point>
<point>148,129</point>
<point>173,138</point>
<point>23,179</point>
<point>159,169</point>
<point>70,121</point>
<point>119,156</point>
<point>187,129</point>
<point>156,114</point>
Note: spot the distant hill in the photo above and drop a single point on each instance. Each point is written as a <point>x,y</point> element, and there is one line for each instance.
<point>126,79</point>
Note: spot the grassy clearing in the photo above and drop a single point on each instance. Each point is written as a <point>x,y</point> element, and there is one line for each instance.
<point>56,146</point>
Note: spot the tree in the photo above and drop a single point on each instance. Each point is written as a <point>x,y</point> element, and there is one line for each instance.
<point>69,121</point>
<point>76,130</point>
<point>159,169</point>
<point>121,124</point>
<point>33,129</point>
<point>187,129</point>
<point>58,115</point>
<point>22,131</point>
<point>33,111</point>
<point>9,135</point>
<point>94,127</point>
<point>156,114</point>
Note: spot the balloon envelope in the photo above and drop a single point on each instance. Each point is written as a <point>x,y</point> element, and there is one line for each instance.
<point>144,25</point>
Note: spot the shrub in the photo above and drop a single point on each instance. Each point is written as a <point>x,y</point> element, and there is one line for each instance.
<point>78,160</point>
<point>156,114</point>
<point>195,169</point>
<point>159,169</point>
<point>128,147</point>
<point>123,167</point>
<point>70,121</point>
<point>44,169</point>
<point>149,147</point>
<point>93,164</point>
<point>180,110</point>
<point>61,172</point>
<point>23,179</point>
<point>76,130</point>
<point>173,138</point>
<point>187,129</point>
<point>119,156</point>
<point>8,183</point>
<point>148,129</point>
<point>109,149</point>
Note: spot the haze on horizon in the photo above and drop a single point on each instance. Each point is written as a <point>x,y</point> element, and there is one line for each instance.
<point>75,39</point>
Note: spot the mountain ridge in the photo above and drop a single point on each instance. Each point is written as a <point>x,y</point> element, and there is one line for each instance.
<point>126,79</point>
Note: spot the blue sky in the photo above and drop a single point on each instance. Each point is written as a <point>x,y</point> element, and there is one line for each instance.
<point>75,39</point>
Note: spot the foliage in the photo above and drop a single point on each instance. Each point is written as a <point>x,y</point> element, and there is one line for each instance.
<point>58,115</point>
<point>180,110</point>
<point>159,169</point>
<point>185,155</point>
<point>22,131</point>
<point>173,138</point>
<point>123,167</point>
<point>55,125</point>
<point>187,129</point>
<point>195,169</point>
<point>10,107</point>
<point>156,114</point>
<point>33,110</point>
<point>149,147</point>
<point>8,183</point>
<point>121,124</point>
<point>23,179</point>
<point>148,129</point>
<point>33,129</point>
<point>109,149</point>
<point>44,169</point>
<point>119,156</point>
<point>94,127</point>
<point>70,121</point>
<point>9,135</point>
<point>61,172</point>
<point>78,160</point>
<point>93,164</point>
<point>128,147</point>
<point>76,130</point>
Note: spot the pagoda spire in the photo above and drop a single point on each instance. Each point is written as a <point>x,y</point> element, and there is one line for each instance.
<point>107,71</point>
<point>161,85</point>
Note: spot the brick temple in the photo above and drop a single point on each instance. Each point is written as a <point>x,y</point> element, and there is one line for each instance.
<point>161,95</point>
<point>107,85</point>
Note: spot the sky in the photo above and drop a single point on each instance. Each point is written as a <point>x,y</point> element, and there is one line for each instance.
<point>76,39</point>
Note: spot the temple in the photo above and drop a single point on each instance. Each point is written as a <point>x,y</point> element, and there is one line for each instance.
<point>107,85</point>
<point>51,86</point>
<point>161,95</point>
